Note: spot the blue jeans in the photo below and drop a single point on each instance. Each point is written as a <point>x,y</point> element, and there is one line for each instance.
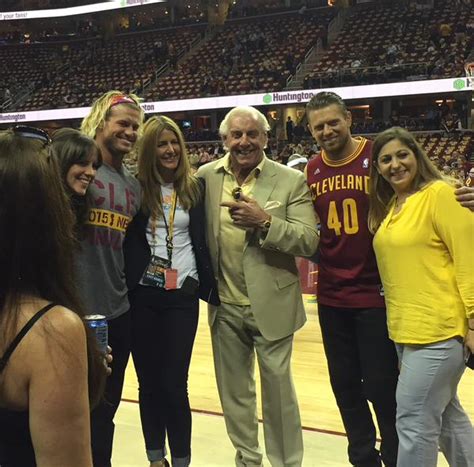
<point>428,409</point>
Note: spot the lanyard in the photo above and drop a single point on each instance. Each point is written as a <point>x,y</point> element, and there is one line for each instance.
<point>169,228</point>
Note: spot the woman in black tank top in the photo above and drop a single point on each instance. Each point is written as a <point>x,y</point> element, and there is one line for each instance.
<point>16,447</point>
<point>50,369</point>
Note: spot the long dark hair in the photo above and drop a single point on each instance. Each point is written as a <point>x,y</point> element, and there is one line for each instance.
<point>73,147</point>
<point>37,240</point>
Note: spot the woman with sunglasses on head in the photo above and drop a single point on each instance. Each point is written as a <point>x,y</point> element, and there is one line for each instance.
<point>168,269</point>
<point>51,371</point>
<point>78,157</point>
<point>424,247</point>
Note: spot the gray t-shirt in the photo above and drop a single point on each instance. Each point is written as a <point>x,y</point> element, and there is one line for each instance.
<point>100,263</point>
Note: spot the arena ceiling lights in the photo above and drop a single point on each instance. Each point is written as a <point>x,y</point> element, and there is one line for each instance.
<point>75,10</point>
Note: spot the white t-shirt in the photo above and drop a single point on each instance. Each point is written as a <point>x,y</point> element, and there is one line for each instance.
<point>183,258</point>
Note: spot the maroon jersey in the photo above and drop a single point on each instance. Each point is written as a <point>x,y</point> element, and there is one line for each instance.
<point>348,275</point>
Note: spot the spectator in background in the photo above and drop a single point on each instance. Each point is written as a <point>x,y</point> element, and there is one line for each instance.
<point>298,133</point>
<point>433,117</point>
<point>451,125</point>
<point>193,156</point>
<point>289,129</point>
<point>297,162</point>
<point>446,31</point>
<point>204,156</point>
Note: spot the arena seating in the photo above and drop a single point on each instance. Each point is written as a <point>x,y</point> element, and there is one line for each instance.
<point>25,67</point>
<point>377,44</point>
<point>392,43</point>
<point>451,154</point>
<point>92,67</point>
<point>242,57</point>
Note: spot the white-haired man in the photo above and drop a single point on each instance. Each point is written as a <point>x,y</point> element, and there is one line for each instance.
<point>259,217</point>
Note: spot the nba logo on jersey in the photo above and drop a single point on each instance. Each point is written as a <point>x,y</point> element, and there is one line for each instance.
<point>317,171</point>
<point>365,163</point>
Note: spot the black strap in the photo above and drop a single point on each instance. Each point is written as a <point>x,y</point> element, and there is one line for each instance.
<point>169,242</point>
<point>11,348</point>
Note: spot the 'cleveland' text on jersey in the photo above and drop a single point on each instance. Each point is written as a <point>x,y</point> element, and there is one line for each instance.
<point>348,275</point>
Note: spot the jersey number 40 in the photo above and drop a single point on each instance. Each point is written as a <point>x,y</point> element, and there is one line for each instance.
<point>350,220</point>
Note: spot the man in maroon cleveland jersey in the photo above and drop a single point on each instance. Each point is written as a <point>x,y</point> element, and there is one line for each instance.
<point>361,358</point>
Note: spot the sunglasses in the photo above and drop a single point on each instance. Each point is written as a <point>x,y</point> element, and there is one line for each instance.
<point>32,132</point>
<point>236,192</point>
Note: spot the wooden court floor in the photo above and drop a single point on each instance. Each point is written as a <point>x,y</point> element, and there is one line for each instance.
<point>317,405</point>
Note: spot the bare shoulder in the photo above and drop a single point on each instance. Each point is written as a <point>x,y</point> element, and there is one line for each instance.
<point>57,357</point>
<point>59,330</point>
<point>57,325</point>
<point>54,344</point>
<point>58,321</point>
<point>58,390</point>
<point>63,320</point>
<point>54,341</point>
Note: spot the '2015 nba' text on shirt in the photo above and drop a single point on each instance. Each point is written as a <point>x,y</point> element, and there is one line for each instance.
<point>116,200</point>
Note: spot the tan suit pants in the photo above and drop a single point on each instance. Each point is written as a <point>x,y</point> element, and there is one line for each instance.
<point>235,341</point>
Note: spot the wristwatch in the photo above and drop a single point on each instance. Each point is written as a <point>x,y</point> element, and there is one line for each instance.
<point>265,225</point>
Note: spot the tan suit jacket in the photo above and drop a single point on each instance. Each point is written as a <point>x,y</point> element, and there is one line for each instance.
<point>269,264</point>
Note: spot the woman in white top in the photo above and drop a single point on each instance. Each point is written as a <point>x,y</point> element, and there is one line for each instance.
<point>168,269</point>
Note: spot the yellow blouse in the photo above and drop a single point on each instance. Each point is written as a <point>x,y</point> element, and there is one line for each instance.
<point>425,255</point>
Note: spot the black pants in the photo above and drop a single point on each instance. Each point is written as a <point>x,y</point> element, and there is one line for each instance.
<point>163,329</point>
<point>102,425</point>
<point>363,365</point>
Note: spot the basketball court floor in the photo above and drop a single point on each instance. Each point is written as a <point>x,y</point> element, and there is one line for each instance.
<point>324,439</point>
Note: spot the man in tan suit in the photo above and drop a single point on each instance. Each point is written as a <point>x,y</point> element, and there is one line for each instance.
<point>253,241</point>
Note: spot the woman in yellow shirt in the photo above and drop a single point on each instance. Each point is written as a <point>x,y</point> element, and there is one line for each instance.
<point>425,252</point>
